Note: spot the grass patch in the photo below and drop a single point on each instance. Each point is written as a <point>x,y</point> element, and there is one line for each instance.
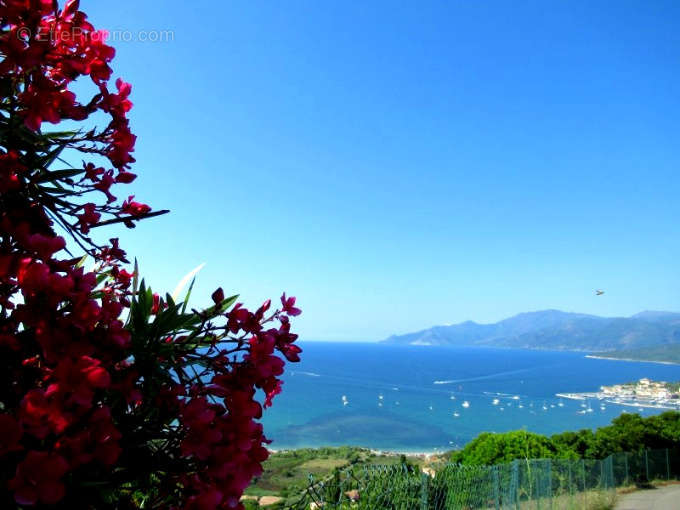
<point>323,465</point>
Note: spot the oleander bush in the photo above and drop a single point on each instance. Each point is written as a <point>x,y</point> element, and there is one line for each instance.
<point>111,396</point>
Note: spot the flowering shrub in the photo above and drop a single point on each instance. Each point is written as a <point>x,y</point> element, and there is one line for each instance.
<point>110,396</point>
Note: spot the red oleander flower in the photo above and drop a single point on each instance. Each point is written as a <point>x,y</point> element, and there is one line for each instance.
<point>41,415</point>
<point>289,306</point>
<point>45,246</point>
<point>88,218</point>
<point>134,208</point>
<point>10,435</point>
<point>125,177</point>
<point>77,380</point>
<point>96,442</point>
<point>218,296</point>
<point>38,479</point>
<point>93,172</point>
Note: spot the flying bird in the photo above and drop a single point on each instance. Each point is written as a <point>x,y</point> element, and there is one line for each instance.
<point>599,292</point>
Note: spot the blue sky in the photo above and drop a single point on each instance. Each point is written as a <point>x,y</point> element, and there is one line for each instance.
<point>398,165</point>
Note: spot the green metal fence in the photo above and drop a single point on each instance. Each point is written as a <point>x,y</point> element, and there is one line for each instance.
<point>542,484</point>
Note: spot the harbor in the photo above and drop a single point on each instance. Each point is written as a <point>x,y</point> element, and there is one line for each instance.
<point>643,393</point>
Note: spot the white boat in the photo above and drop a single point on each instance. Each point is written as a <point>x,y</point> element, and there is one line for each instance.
<point>516,397</point>
<point>495,401</point>
<point>466,404</point>
<point>456,415</point>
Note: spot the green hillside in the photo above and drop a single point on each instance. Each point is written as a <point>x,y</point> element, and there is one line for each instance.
<point>664,353</point>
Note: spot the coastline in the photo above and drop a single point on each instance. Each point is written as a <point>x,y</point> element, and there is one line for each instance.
<point>593,356</point>
<point>374,451</point>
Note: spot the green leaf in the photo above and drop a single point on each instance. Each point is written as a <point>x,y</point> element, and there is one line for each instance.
<point>61,135</point>
<point>101,277</point>
<point>81,262</point>
<point>224,305</point>
<point>185,279</point>
<point>58,190</point>
<point>186,298</point>
<point>54,175</point>
<point>50,157</point>
<point>135,278</point>
<point>215,310</point>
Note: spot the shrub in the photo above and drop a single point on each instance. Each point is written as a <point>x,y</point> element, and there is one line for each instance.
<point>111,396</point>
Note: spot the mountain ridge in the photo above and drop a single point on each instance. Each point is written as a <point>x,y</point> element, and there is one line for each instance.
<point>557,330</point>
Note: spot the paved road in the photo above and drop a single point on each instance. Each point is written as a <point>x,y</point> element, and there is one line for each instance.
<point>663,498</point>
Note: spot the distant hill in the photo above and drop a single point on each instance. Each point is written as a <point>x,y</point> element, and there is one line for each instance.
<point>669,353</point>
<point>554,329</point>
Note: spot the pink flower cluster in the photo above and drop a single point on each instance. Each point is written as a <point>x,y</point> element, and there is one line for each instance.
<point>95,412</point>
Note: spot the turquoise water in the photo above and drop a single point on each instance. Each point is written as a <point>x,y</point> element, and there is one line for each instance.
<point>422,387</point>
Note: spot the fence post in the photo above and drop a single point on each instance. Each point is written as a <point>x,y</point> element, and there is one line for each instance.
<point>424,482</point>
<point>583,476</point>
<point>496,488</point>
<point>550,489</point>
<point>536,485</point>
<point>571,484</point>
<point>515,477</point>
<point>647,465</point>
<point>668,466</point>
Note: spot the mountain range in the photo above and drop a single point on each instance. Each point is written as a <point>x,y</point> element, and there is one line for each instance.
<point>556,330</point>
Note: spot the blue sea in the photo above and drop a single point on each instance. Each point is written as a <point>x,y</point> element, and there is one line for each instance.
<point>413,398</point>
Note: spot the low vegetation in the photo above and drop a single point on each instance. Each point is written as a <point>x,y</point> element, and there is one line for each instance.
<point>627,433</point>
<point>286,473</point>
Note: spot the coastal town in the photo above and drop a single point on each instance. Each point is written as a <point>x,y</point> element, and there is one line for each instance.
<point>642,393</point>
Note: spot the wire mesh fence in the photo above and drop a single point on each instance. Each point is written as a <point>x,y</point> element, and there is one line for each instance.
<point>538,484</point>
